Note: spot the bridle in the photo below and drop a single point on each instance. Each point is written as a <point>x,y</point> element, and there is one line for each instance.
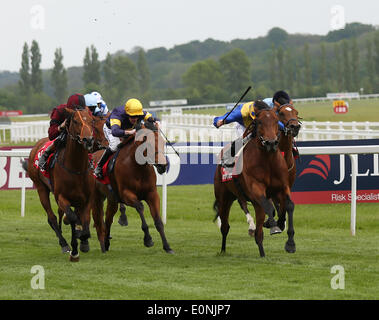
<point>287,130</point>
<point>78,138</point>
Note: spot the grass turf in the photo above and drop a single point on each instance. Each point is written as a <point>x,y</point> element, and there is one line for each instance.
<point>197,270</point>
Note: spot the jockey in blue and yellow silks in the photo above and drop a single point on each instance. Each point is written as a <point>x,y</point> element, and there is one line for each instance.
<point>243,114</point>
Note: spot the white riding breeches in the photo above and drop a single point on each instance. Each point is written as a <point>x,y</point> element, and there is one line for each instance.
<point>113,141</point>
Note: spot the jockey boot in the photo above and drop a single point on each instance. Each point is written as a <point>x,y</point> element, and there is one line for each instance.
<point>99,169</point>
<point>45,156</point>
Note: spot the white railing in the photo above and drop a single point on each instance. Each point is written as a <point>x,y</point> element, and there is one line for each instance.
<point>196,127</point>
<point>352,151</point>
<point>24,131</point>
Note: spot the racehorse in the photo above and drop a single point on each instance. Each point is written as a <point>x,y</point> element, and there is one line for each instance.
<point>264,175</point>
<point>288,115</point>
<point>132,181</point>
<point>70,180</point>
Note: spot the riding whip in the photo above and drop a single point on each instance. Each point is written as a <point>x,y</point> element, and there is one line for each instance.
<point>244,94</point>
<point>177,153</point>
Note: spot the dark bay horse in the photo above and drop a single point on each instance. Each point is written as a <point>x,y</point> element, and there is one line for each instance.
<point>264,175</point>
<point>133,180</point>
<point>70,180</point>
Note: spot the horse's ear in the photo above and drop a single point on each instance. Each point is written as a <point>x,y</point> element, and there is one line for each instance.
<point>68,112</point>
<point>276,103</point>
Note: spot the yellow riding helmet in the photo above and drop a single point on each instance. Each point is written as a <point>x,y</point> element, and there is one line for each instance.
<point>133,107</point>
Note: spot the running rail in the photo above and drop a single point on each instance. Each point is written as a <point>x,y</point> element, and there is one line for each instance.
<point>352,151</point>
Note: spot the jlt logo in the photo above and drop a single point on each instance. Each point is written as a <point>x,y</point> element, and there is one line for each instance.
<point>374,173</point>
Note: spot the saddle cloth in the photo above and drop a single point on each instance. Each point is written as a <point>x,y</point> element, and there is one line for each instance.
<point>38,155</point>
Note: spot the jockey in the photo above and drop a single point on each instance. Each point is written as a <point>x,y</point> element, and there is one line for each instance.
<point>121,123</point>
<point>244,115</point>
<point>57,126</point>
<point>102,108</point>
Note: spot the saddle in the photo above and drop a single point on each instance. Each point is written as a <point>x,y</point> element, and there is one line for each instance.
<point>50,161</point>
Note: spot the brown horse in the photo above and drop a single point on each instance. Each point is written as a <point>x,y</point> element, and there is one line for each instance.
<point>288,115</point>
<point>132,180</point>
<point>264,175</point>
<point>70,180</point>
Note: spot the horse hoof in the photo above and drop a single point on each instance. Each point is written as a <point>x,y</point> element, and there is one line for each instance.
<point>290,248</point>
<point>74,258</point>
<point>102,248</point>
<point>66,249</point>
<point>123,221</point>
<point>275,230</point>
<point>266,224</point>
<point>148,243</point>
<point>65,220</point>
<point>84,246</point>
<point>251,232</point>
<point>170,251</point>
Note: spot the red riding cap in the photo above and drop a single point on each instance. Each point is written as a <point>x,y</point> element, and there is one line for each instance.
<point>76,100</point>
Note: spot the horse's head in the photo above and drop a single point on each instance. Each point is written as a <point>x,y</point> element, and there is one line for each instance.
<point>151,146</point>
<point>266,126</point>
<point>101,141</point>
<point>80,126</point>
<point>288,115</point>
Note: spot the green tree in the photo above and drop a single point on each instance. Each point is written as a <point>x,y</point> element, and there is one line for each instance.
<point>289,70</point>
<point>125,78</point>
<point>91,66</point>
<point>24,82</point>
<point>356,83</point>
<point>204,82</point>
<point>307,71</point>
<point>59,76</point>
<point>280,73</point>
<point>235,67</point>
<point>370,67</point>
<point>338,70</point>
<point>143,72</point>
<point>376,58</point>
<point>323,70</point>
<point>272,67</point>
<point>36,75</point>
<point>346,66</point>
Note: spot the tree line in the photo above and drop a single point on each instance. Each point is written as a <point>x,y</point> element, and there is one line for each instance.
<point>341,61</point>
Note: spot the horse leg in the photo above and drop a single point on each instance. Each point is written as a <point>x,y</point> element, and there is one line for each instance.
<point>223,209</point>
<point>290,246</point>
<point>74,254</point>
<point>98,219</point>
<point>112,207</point>
<point>147,240</point>
<point>71,216</point>
<point>85,220</point>
<point>249,218</point>
<point>43,193</point>
<point>269,209</point>
<point>260,217</point>
<point>123,220</point>
<point>154,206</point>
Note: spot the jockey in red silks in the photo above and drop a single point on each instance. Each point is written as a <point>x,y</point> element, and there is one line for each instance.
<point>57,126</point>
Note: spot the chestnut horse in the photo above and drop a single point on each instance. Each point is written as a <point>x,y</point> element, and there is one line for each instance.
<point>70,180</point>
<point>264,175</point>
<point>132,180</point>
<point>288,115</point>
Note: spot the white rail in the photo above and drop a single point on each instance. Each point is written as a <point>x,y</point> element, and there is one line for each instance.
<point>352,151</point>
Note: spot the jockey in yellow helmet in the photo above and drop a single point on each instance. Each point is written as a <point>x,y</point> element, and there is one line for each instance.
<point>121,123</point>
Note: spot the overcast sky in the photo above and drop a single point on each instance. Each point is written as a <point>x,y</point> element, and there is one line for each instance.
<point>112,25</point>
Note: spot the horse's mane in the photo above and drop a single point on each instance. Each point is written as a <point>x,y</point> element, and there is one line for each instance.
<point>259,105</point>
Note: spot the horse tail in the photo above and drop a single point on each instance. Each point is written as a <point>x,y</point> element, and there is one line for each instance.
<point>215,208</point>
<point>24,165</point>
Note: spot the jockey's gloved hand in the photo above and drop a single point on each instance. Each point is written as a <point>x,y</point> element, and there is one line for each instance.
<point>151,119</point>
